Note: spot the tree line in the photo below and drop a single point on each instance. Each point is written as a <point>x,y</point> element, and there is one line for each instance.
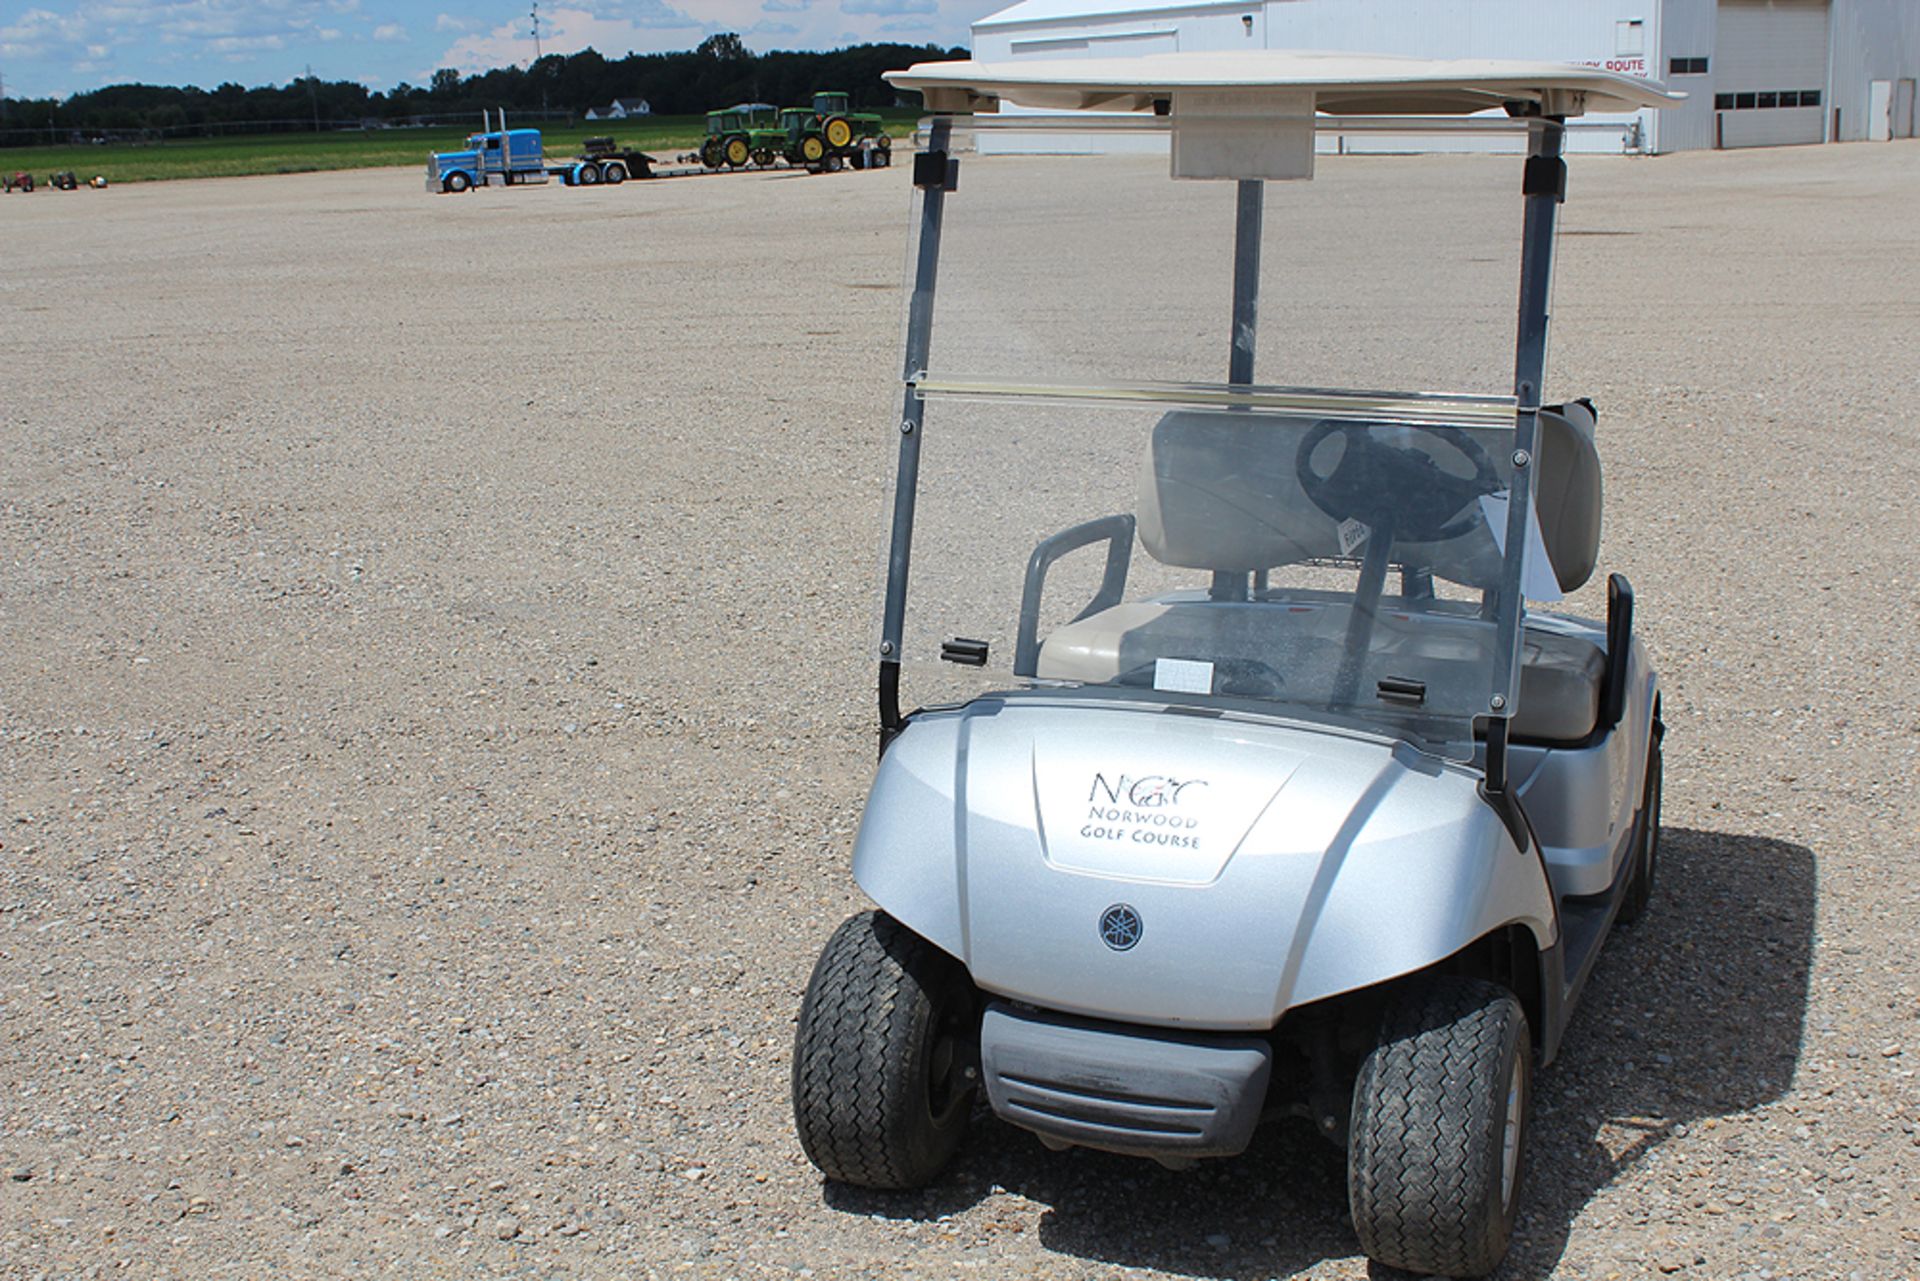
<point>722,71</point>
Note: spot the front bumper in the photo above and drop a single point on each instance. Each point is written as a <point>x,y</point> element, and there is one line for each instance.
<point>1135,1090</point>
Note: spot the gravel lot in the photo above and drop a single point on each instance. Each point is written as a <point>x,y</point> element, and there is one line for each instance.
<point>433,719</point>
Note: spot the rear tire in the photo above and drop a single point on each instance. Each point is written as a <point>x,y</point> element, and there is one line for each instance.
<point>1439,1128</point>
<point>1646,850</point>
<point>838,131</point>
<point>880,1095</point>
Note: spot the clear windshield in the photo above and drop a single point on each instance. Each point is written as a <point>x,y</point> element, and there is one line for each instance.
<point>1099,508</point>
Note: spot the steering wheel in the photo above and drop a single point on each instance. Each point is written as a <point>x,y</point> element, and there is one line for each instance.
<point>1397,485</point>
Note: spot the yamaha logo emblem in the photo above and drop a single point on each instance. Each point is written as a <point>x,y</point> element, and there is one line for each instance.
<point>1120,927</point>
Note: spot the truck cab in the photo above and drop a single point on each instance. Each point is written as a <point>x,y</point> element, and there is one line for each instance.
<point>507,156</point>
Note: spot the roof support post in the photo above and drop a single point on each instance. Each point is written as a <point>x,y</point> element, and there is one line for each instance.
<point>933,198</point>
<point>1544,186</point>
<point>1250,203</point>
<point>1249,207</point>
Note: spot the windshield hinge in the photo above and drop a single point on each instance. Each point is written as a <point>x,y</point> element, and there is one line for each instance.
<point>964,651</point>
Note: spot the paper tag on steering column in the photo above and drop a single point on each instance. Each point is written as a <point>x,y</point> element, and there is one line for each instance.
<point>1352,534</point>
<point>1537,580</point>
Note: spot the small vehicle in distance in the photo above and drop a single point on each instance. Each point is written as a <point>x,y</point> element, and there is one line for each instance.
<point>843,128</point>
<point>1254,786</point>
<point>741,135</point>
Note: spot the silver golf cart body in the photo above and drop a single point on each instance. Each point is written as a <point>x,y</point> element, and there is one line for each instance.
<point>1194,812</point>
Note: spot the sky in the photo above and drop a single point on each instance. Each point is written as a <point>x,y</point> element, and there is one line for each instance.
<point>54,48</point>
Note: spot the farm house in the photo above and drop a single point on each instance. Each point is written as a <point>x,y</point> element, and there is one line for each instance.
<point>1756,72</point>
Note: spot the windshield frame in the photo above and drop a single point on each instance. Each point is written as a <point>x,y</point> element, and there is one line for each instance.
<point>936,176</point>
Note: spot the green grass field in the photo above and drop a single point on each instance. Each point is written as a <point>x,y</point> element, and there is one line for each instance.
<point>663,136</point>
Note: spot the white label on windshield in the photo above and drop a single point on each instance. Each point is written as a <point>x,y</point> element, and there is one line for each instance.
<point>1352,534</point>
<point>1537,580</point>
<point>1183,675</point>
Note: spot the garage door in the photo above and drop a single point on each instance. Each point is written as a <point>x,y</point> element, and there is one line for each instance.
<point>1770,72</point>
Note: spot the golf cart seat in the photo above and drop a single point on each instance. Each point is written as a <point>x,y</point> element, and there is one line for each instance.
<point>1220,493</point>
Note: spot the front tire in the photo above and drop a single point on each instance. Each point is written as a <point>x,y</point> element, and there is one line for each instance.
<point>1439,1126</point>
<point>456,183</point>
<point>881,1094</point>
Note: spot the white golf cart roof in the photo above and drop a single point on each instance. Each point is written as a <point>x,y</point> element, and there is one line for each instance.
<point>1340,83</point>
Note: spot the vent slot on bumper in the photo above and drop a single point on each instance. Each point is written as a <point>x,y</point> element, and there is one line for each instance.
<point>1140,1091</point>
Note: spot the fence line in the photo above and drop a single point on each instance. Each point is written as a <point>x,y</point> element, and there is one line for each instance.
<point>81,135</point>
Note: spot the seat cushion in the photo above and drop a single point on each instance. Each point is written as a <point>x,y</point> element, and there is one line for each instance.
<point>1560,681</point>
<point>1561,673</point>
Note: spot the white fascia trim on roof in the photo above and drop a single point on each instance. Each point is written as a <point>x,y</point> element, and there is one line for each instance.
<point>1033,43</point>
<point>1012,17</point>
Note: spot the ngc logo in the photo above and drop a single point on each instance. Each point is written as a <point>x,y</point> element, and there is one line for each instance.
<point>1144,810</point>
<point>1155,791</point>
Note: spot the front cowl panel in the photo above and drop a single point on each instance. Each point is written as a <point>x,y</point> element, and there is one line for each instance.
<point>1133,863</point>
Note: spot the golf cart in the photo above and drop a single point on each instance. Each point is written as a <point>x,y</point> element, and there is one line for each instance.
<point>1244,782</point>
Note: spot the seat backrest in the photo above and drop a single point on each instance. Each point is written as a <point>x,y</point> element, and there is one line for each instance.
<point>1567,491</point>
<point>1218,492</point>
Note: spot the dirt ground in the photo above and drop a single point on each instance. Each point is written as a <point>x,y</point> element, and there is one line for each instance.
<point>434,714</point>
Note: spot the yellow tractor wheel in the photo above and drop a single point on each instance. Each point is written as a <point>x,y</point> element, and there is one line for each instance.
<point>737,152</point>
<point>811,149</point>
<point>838,132</point>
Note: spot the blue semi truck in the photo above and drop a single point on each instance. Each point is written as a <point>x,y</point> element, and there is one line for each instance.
<point>513,157</point>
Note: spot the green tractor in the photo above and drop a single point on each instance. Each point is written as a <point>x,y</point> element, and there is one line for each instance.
<point>845,129</point>
<point>742,135</point>
<point>827,135</point>
<point>801,142</point>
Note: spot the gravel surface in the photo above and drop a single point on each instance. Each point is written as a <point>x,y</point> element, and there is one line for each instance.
<point>433,719</point>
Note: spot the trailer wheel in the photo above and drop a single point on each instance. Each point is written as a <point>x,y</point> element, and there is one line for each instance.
<point>881,1091</point>
<point>586,175</point>
<point>455,182</point>
<point>833,164</point>
<point>613,172</point>
<point>763,157</point>
<point>882,151</point>
<point>1439,1120</point>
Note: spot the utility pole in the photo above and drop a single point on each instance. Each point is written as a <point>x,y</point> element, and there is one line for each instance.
<point>536,58</point>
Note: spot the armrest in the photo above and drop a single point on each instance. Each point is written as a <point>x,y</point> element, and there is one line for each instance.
<point>1613,694</point>
<point>1117,533</point>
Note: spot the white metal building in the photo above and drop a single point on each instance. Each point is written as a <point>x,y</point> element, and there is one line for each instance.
<point>1756,72</point>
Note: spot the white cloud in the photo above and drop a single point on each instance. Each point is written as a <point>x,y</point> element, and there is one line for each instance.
<point>888,8</point>
<point>655,27</point>
<point>447,22</point>
<point>390,33</point>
